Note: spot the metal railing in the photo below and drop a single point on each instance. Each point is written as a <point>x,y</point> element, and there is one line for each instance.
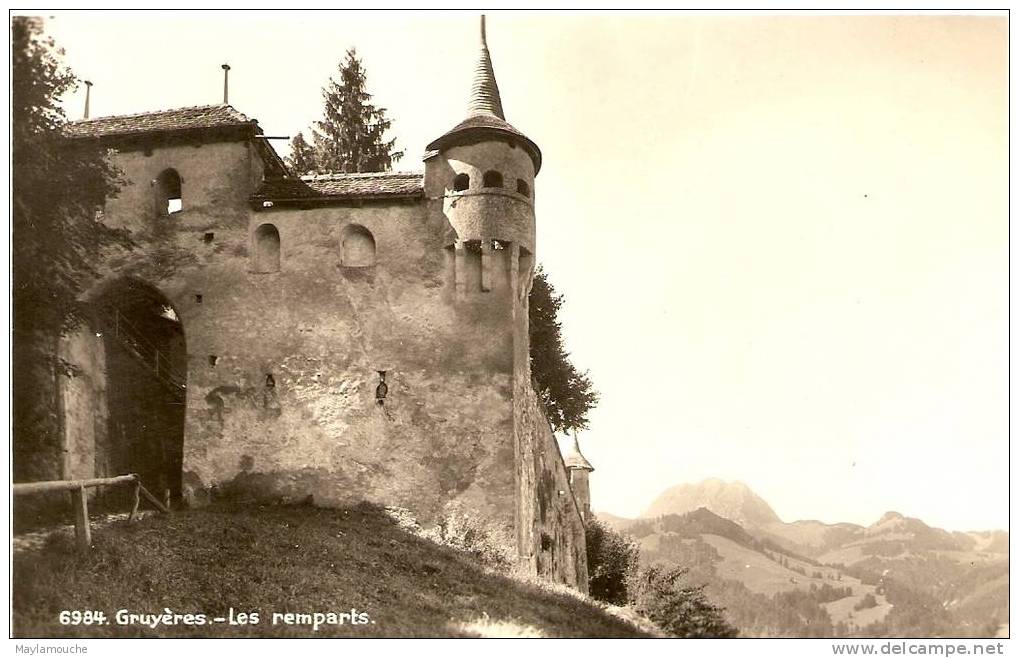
<point>143,350</point>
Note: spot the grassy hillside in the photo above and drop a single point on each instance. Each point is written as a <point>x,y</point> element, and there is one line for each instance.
<point>897,577</point>
<point>288,560</point>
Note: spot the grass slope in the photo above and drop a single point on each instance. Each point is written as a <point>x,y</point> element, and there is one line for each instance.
<point>287,559</point>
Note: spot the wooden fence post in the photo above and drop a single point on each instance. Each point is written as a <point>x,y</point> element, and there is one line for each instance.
<point>137,499</point>
<point>82,532</point>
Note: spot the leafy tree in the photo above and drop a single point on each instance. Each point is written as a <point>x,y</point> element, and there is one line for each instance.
<point>566,394</point>
<point>681,610</point>
<point>611,562</point>
<point>868,601</point>
<point>58,186</point>
<point>302,156</point>
<point>351,135</point>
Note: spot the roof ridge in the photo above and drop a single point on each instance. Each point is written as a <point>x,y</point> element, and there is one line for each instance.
<point>338,175</point>
<point>164,111</point>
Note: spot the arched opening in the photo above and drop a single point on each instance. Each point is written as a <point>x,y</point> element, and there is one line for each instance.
<point>461,182</point>
<point>267,249</point>
<point>491,178</point>
<point>523,187</point>
<point>145,368</point>
<point>358,247</point>
<point>168,198</point>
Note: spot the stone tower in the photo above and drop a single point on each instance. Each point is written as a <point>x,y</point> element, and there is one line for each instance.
<point>484,171</point>
<point>579,469</point>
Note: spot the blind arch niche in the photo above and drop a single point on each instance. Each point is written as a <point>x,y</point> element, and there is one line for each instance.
<point>357,247</point>
<point>267,249</point>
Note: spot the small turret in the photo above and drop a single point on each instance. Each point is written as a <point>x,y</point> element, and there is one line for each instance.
<point>579,469</point>
<point>484,171</point>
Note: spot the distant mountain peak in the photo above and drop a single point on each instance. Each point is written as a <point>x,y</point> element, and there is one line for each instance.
<point>730,500</point>
<point>890,516</point>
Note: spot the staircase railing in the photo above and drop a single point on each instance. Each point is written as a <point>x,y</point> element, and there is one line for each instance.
<point>144,351</point>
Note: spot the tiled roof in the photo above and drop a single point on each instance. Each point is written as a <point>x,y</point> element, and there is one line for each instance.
<point>485,116</point>
<point>345,186</point>
<point>482,126</point>
<point>184,118</point>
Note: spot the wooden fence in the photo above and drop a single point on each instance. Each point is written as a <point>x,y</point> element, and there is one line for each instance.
<point>79,499</point>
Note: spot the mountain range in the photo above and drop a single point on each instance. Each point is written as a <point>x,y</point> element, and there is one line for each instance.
<point>897,577</point>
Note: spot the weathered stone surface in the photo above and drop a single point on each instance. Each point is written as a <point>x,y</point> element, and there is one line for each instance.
<point>284,341</point>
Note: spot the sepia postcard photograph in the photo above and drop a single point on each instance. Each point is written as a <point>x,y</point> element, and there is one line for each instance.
<point>475,323</point>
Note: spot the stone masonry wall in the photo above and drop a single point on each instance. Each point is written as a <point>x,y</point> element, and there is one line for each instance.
<point>551,522</point>
<point>322,331</point>
<point>282,366</point>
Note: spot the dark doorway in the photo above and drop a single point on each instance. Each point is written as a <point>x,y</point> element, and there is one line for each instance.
<point>146,374</point>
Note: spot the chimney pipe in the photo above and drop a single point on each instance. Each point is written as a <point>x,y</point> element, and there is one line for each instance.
<point>226,83</point>
<point>88,95</point>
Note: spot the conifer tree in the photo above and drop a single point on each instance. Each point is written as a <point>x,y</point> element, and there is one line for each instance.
<point>351,135</point>
<point>302,156</point>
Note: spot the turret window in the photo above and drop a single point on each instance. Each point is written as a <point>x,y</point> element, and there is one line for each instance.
<point>267,249</point>
<point>166,189</point>
<point>461,182</point>
<point>491,179</point>
<point>358,247</point>
<point>523,187</point>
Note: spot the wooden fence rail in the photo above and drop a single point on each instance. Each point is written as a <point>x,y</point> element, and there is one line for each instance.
<point>79,499</point>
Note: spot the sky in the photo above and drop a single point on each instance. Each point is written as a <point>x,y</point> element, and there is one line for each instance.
<point>782,239</point>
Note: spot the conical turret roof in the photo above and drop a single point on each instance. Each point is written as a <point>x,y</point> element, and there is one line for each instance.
<point>572,457</point>
<point>485,117</point>
<point>485,97</point>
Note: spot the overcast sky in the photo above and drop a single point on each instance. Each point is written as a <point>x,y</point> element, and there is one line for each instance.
<point>782,239</point>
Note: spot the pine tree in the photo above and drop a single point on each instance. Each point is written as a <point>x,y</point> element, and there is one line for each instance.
<point>566,393</point>
<point>351,135</point>
<point>302,156</point>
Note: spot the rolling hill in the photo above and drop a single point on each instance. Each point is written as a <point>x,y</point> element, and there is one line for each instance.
<point>895,577</point>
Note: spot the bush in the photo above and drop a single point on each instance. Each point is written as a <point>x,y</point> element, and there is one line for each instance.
<point>611,562</point>
<point>470,534</point>
<point>868,601</point>
<point>683,611</point>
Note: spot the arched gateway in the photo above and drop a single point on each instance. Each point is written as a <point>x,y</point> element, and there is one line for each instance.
<point>124,402</point>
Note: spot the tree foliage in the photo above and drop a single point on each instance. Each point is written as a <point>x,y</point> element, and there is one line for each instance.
<point>566,393</point>
<point>58,186</point>
<point>681,610</point>
<point>611,562</point>
<point>302,156</point>
<point>351,135</point>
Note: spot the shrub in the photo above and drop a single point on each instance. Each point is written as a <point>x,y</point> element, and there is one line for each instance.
<point>683,611</point>
<point>611,562</point>
<point>465,532</point>
<point>868,601</point>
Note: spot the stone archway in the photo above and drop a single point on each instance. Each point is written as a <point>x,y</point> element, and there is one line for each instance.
<point>137,375</point>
